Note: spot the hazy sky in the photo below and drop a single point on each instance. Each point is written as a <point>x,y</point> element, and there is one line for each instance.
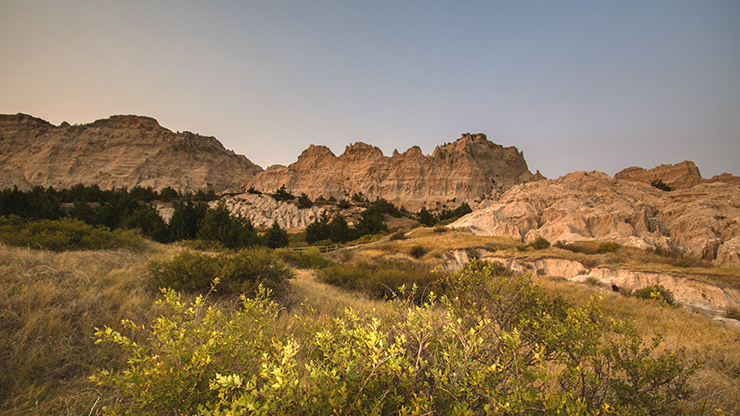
<point>576,85</point>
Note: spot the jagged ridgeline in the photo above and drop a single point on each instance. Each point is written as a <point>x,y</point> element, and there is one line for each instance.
<point>128,151</point>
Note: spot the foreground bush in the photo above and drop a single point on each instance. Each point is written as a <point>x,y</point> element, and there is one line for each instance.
<point>192,271</point>
<point>501,345</point>
<point>64,234</point>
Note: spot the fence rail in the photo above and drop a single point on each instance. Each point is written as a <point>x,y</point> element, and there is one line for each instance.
<point>322,249</point>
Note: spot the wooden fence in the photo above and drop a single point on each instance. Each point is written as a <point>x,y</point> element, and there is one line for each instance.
<point>322,249</point>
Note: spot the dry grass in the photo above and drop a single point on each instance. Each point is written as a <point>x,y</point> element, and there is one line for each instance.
<point>50,304</point>
<point>682,329</point>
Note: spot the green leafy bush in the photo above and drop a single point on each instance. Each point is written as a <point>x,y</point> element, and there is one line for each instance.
<point>192,271</point>
<point>504,346</point>
<point>64,234</point>
<point>657,292</point>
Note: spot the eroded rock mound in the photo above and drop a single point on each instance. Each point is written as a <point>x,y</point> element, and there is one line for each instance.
<point>702,221</point>
<point>470,168</point>
<point>118,151</point>
<point>679,176</point>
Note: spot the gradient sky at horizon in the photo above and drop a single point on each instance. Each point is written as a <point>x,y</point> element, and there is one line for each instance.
<point>576,85</point>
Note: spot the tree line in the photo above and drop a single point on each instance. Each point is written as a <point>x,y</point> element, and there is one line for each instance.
<point>131,209</point>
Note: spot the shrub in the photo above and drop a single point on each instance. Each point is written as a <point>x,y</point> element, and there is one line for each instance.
<point>65,234</point>
<point>253,191</point>
<point>540,243</point>
<point>191,271</point>
<point>658,183</point>
<point>398,235</point>
<point>441,229</point>
<point>504,347</point>
<point>657,292</point>
<point>309,259</point>
<point>381,281</point>
<point>608,247</point>
<point>343,204</point>
<point>417,251</point>
<point>733,313</point>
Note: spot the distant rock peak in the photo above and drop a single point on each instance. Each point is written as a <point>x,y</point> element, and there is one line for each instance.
<point>679,176</point>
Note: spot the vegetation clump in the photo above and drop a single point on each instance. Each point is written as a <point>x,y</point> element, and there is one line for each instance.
<point>658,183</point>
<point>64,234</point>
<point>417,251</point>
<point>241,273</point>
<point>657,292</point>
<point>445,216</point>
<point>504,346</point>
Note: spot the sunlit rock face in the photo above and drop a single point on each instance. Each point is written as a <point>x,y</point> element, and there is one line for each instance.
<point>679,176</point>
<point>470,169</point>
<point>115,152</point>
<point>701,221</point>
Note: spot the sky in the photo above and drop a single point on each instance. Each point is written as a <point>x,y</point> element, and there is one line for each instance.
<point>575,85</point>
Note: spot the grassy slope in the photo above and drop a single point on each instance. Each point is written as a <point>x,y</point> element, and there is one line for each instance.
<point>50,303</point>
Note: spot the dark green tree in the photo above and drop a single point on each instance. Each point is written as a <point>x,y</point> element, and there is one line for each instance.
<point>370,222</point>
<point>339,231</point>
<point>233,232</point>
<point>304,201</point>
<point>276,237</point>
<point>186,220</point>
<point>318,230</point>
<point>426,217</point>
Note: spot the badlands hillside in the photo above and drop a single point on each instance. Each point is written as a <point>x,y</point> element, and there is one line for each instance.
<point>136,151</point>
<point>702,220</point>
<point>467,170</point>
<point>115,152</point>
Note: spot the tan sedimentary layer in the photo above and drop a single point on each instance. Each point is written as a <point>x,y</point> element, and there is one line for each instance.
<point>469,169</point>
<point>118,151</point>
<point>702,221</point>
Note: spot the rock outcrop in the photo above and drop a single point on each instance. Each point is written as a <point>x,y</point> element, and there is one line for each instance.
<point>472,168</point>
<point>118,151</point>
<point>263,210</point>
<point>679,176</point>
<point>691,293</point>
<point>702,221</point>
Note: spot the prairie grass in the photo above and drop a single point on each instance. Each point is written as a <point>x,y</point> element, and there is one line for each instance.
<point>681,329</point>
<point>50,304</point>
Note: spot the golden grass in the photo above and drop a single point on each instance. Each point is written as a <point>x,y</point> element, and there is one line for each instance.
<point>50,304</point>
<point>681,329</point>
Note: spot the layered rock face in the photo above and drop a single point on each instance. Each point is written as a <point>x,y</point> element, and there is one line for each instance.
<point>263,210</point>
<point>470,168</point>
<point>118,151</point>
<point>702,221</point>
<point>679,176</point>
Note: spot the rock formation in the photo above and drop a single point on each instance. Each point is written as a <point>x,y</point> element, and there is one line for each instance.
<point>679,176</point>
<point>702,221</point>
<point>470,168</point>
<point>691,292</point>
<point>262,210</point>
<point>118,151</point>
